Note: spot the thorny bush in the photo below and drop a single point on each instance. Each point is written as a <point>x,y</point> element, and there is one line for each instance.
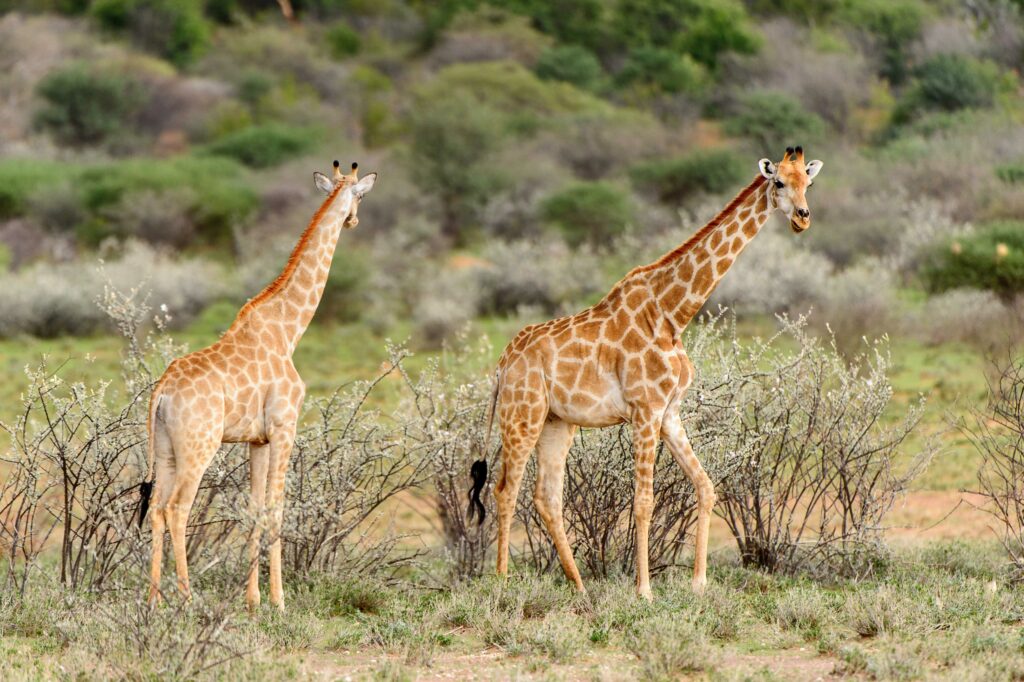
<point>997,433</point>
<point>74,463</point>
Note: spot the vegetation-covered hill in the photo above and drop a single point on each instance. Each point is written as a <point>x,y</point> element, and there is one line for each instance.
<point>550,146</point>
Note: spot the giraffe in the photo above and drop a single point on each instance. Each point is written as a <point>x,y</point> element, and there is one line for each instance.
<point>622,361</point>
<point>244,389</point>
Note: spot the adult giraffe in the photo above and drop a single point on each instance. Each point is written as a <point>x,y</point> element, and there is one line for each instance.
<point>244,389</point>
<point>622,360</point>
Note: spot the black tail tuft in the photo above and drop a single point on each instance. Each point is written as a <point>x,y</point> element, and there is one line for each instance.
<point>478,472</point>
<point>145,490</point>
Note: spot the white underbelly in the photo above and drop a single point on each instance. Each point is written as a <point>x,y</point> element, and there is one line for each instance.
<point>592,411</point>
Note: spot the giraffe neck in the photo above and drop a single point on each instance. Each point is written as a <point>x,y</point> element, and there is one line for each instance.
<point>284,309</point>
<point>683,279</point>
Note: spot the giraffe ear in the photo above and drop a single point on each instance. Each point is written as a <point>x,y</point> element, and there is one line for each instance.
<point>323,183</point>
<point>363,186</point>
<point>767,168</point>
<point>813,167</point>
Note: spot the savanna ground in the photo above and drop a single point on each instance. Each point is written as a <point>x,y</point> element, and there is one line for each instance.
<point>938,604</point>
<point>530,154</point>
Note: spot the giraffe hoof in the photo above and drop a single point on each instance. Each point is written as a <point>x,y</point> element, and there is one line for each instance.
<point>645,593</point>
<point>699,586</point>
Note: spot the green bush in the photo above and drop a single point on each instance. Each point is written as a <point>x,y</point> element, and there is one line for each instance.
<point>572,64</point>
<point>774,120</point>
<point>579,22</point>
<point>509,87</point>
<point>588,211</point>
<point>342,41</point>
<point>452,139</point>
<point>84,107</point>
<point>21,178</point>
<point>344,295</point>
<point>263,146</point>
<point>374,102</point>
<point>716,27</point>
<point>1012,173</point>
<point>895,24</point>
<point>949,82</point>
<point>673,180</point>
<point>173,29</point>
<point>652,70</point>
<point>991,258</point>
<point>703,29</point>
<point>217,190</point>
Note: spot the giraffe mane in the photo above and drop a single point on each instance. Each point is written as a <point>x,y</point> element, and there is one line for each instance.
<point>293,260</point>
<point>708,228</point>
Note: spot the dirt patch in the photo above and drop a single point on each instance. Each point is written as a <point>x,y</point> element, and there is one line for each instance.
<point>799,664</point>
<point>491,664</point>
<point>791,664</point>
<point>929,515</point>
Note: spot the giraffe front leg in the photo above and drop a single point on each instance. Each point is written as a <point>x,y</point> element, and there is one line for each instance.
<point>259,462</point>
<point>679,445</point>
<point>645,446</point>
<point>281,444</point>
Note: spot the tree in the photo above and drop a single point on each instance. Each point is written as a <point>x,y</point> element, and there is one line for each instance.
<point>451,140</point>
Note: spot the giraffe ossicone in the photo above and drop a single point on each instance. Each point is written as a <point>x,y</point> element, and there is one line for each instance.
<point>244,389</point>
<point>622,361</point>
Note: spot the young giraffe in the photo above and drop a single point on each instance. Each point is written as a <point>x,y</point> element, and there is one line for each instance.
<point>244,389</point>
<point>622,361</point>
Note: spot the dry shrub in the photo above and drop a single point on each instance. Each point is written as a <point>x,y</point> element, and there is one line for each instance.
<point>549,276</point>
<point>273,50</point>
<point>347,463</point>
<point>56,299</point>
<point>669,646</point>
<point>445,417</point>
<point>489,35</point>
<point>598,508</point>
<point>774,276</point>
<point>447,307</point>
<point>80,459</point>
<point>858,302</point>
<point>924,223</point>
<point>997,433</point>
<point>824,459</point>
<point>155,217</point>
<point>600,144</point>
<point>970,316</point>
<point>76,460</point>
<point>788,428</point>
<point>831,84</point>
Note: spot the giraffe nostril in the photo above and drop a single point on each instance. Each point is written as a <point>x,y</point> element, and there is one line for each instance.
<point>803,212</point>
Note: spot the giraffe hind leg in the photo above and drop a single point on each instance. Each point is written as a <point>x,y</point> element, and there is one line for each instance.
<point>519,433</point>
<point>552,450</point>
<point>163,484</point>
<point>191,465</point>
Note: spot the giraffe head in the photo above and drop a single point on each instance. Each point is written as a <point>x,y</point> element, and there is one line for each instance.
<point>347,183</point>
<point>789,182</point>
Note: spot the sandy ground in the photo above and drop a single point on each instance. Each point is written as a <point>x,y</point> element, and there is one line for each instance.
<point>921,516</point>
<point>800,663</point>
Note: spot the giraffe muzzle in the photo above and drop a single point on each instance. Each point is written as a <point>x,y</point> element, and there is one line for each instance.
<point>801,220</point>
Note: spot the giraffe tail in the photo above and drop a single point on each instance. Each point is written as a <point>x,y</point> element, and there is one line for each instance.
<point>478,471</point>
<point>146,487</point>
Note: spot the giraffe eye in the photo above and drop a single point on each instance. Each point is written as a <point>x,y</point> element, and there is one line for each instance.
<point>778,184</point>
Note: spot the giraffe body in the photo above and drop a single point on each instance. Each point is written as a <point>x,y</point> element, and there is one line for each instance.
<point>622,361</point>
<point>244,389</point>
